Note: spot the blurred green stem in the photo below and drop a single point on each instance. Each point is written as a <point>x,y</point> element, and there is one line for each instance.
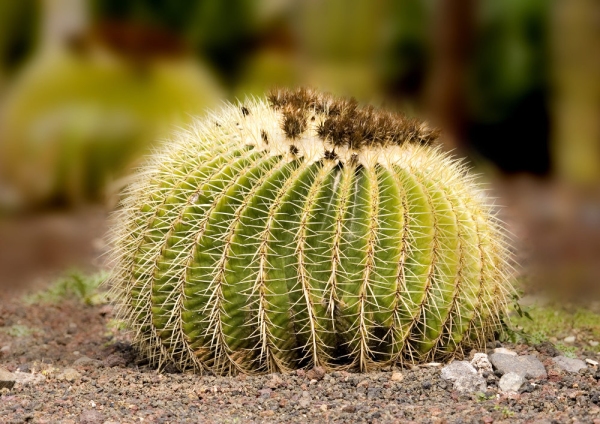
<point>576,108</point>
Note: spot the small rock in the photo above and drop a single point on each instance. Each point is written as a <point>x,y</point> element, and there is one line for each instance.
<point>317,373</point>
<point>464,377</point>
<point>7,379</point>
<point>547,348</point>
<point>91,416</point>
<point>527,366</point>
<point>323,408</point>
<point>304,402</point>
<point>569,364</point>
<point>472,384</point>
<point>349,408</point>
<point>505,351</point>
<point>27,379</point>
<point>275,382</point>
<point>482,363</point>
<point>301,373</point>
<point>511,382</point>
<point>592,362</point>
<point>84,361</point>
<point>570,339</point>
<point>592,343</point>
<point>69,374</point>
<point>527,388</point>
<point>26,367</point>
<point>397,376</point>
<point>114,361</point>
<point>6,348</point>
<point>363,383</point>
<point>456,369</point>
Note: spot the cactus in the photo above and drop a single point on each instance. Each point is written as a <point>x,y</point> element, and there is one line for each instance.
<point>73,122</point>
<point>304,230</point>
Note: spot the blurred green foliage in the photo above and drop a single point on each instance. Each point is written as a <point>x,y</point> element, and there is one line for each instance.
<point>219,31</point>
<point>18,20</point>
<point>379,51</point>
<point>511,58</point>
<point>72,121</point>
<point>73,285</point>
<point>408,53</point>
<point>19,330</point>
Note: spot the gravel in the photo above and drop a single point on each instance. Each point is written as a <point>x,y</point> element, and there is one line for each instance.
<point>89,373</point>
<point>569,364</point>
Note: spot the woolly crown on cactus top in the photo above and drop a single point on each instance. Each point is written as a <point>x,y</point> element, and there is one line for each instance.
<point>316,126</point>
<point>307,230</point>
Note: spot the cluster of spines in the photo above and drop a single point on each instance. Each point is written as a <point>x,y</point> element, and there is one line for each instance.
<point>231,259</point>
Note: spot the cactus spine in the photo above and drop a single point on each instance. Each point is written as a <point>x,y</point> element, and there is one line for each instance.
<point>306,230</point>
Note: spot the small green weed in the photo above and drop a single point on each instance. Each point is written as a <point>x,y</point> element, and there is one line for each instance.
<point>482,397</point>
<point>542,323</point>
<point>18,330</point>
<point>113,328</point>
<point>73,285</point>
<point>504,410</point>
<point>566,350</point>
<point>116,325</point>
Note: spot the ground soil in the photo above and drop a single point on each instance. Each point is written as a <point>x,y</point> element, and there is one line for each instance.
<point>116,386</point>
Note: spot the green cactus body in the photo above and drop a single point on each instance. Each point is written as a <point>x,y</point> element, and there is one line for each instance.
<point>305,230</point>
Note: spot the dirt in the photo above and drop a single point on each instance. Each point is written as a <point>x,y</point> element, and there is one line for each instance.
<point>114,385</point>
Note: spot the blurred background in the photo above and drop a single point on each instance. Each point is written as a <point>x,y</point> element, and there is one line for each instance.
<point>87,88</point>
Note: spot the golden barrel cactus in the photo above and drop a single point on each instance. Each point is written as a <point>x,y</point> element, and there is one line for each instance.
<point>305,230</point>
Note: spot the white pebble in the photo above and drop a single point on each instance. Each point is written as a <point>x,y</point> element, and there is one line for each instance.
<point>397,376</point>
<point>505,351</point>
<point>511,382</point>
<point>482,363</point>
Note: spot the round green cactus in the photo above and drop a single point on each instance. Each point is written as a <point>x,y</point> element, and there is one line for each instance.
<point>73,121</point>
<point>305,230</point>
